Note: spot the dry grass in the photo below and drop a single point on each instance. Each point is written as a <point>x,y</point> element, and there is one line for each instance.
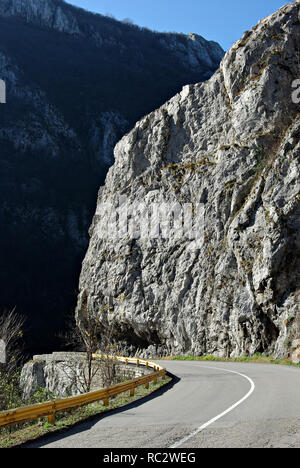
<point>255,359</point>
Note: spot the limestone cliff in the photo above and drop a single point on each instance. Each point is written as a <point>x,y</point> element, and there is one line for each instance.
<point>76,83</point>
<point>192,50</point>
<point>231,143</point>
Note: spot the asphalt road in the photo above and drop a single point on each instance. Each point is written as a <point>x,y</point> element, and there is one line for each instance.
<point>208,405</point>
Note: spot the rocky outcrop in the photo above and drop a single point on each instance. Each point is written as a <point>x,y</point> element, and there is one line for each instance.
<point>62,374</point>
<point>193,50</point>
<point>66,109</point>
<point>32,378</point>
<point>232,145</point>
<point>49,13</point>
<point>295,351</point>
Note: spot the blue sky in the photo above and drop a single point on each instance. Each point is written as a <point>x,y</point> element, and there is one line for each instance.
<point>221,20</point>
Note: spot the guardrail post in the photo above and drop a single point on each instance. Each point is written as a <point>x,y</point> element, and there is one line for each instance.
<point>164,375</point>
<point>147,365</point>
<point>51,417</point>
<point>147,385</point>
<point>138,362</point>
<point>105,401</point>
<point>155,381</point>
<point>126,362</point>
<point>132,392</point>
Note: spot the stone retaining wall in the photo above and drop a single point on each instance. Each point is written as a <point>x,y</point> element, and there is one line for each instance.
<point>62,374</point>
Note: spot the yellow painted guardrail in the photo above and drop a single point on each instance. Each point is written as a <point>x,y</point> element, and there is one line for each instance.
<point>50,408</point>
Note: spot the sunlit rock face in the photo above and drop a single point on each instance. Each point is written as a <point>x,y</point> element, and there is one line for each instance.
<point>76,82</point>
<point>232,144</point>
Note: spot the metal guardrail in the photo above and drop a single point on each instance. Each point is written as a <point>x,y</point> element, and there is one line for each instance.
<point>50,408</point>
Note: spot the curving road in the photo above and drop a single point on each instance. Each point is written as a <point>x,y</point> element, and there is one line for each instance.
<point>208,405</point>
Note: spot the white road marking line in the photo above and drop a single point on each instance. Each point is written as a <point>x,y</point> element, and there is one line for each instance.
<point>211,421</point>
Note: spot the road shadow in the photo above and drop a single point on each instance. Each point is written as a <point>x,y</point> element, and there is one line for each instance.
<point>82,426</point>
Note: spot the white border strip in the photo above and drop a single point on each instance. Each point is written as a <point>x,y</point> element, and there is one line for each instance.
<point>211,421</point>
